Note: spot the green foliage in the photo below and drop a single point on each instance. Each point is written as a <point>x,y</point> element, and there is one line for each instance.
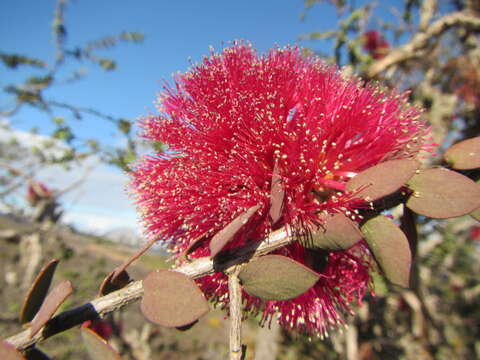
<point>14,60</point>
<point>31,92</point>
<point>63,133</point>
<point>125,126</point>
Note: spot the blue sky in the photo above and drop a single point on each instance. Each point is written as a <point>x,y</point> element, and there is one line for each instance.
<point>176,33</point>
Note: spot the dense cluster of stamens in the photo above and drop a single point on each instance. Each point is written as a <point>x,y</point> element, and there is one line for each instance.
<point>232,122</point>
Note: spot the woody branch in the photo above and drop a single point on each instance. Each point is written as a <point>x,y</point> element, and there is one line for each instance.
<point>421,39</point>
<point>134,291</point>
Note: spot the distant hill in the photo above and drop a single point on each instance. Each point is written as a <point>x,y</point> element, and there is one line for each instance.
<point>125,235</point>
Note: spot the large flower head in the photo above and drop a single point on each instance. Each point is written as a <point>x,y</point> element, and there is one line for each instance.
<point>238,120</point>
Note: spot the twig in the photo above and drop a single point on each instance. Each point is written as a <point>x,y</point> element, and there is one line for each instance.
<point>235,298</point>
<point>59,34</point>
<point>420,40</point>
<point>75,184</point>
<point>427,10</point>
<point>77,110</point>
<point>134,291</point>
<point>15,171</point>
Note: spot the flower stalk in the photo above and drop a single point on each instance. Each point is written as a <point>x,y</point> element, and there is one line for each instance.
<point>235,294</point>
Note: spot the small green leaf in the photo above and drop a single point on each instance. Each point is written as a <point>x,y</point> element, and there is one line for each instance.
<point>228,232</point>
<point>172,299</point>
<point>40,82</point>
<point>440,193</point>
<point>390,247</point>
<point>382,179</point>
<point>338,233</point>
<point>132,36</point>
<point>14,60</point>
<point>464,155</point>
<point>37,292</point>
<point>58,120</point>
<point>63,133</point>
<point>276,277</point>
<point>107,64</point>
<point>52,302</point>
<point>9,352</point>
<point>124,126</point>
<point>97,347</point>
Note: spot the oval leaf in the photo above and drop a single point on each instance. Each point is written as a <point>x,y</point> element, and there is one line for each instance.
<point>172,299</point>
<point>109,284</point>
<point>37,292</point>
<point>52,302</point>
<point>276,277</point>
<point>228,232</point>
<point>193,245</point>
<point>120,269</point>
<point>464,155</point>
<point>338,233</point>
<point>440,193</point>
<point>382,179</point>
<point>277,194</point>
<point>97,347</point>
<point>391,249</point>
<point>9,352</point>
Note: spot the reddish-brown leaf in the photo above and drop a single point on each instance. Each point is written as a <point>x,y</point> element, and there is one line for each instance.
<point>276,277</point>
<point>172,299</point>
<point>97,347</point>
<point>440,193</point>
<point>9,352</point>
<point>134,257</point>
<point>228,232</point>
<point>109,284</point>
<point>464,155</point>
<point>409,228</point>
<point>187,327</point>
<point>390,247</point>
<point>52,302</point>
<point>277,195</point>
<point>338,233</point>
<point>382,179</point>
<point>194,244</point>
<point>37,292</point>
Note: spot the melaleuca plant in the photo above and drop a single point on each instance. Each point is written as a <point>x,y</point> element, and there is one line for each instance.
<point>273,195</point>
<point>282,142</point>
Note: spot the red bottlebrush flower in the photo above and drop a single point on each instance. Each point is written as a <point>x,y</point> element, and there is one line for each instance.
<point>37,191</point>
<point>375,44</point>
<point>237,119</point>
